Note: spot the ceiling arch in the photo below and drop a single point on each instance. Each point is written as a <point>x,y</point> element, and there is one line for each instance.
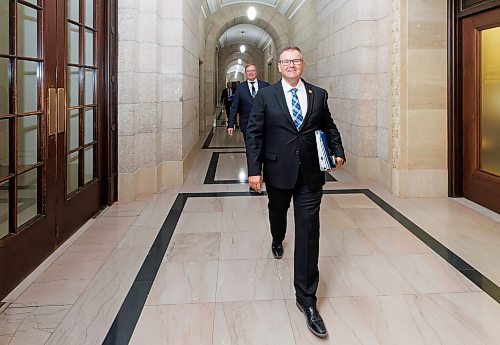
<point>246,34</point>
<point>246,57</point>
<point>268,18</point>
<point>271,21</point>
<point>235,68</point>
<point>285,7</point>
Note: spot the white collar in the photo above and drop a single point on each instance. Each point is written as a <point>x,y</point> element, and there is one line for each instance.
<point>287,87</point>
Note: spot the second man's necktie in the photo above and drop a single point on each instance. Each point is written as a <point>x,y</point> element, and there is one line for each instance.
<point>253,89</point>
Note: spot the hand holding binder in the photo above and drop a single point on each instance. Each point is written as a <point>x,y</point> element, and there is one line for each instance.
<point>326,162</point>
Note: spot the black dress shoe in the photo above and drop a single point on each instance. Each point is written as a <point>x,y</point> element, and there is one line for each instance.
<point>314,321</point>
<point>277,249</point>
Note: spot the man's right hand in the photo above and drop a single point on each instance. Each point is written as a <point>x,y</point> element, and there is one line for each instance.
<point>230,131</point>
<point>255,183</point>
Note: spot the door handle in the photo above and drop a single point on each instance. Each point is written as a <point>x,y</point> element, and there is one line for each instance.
<point>52,111</point>
<point>61,110</point>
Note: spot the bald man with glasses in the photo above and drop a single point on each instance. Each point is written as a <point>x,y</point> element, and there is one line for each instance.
<point>281,150</point>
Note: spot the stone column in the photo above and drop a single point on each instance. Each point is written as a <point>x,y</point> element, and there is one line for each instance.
<point>158,93</point>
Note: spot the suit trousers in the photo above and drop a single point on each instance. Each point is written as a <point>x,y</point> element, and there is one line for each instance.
<point>306,204</point>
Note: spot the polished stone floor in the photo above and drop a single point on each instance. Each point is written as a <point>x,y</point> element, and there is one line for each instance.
<point>192,265</point>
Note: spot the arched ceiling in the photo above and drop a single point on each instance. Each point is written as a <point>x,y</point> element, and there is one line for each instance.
<point>252,34</point>
<point>285,7</point>
<point>236,68</point>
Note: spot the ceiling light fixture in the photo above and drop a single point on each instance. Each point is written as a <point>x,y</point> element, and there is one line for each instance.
<point>251,13</point>
<point>242,47</point>
<point>239,61</point>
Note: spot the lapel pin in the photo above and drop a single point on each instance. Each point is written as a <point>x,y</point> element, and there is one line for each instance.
<point>310,91</point>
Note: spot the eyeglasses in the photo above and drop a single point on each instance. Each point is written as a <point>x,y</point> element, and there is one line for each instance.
<point>288,62</point>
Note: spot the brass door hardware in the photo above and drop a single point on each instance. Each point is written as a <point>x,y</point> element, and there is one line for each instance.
<point>52,111</point>
<point>61,110</point>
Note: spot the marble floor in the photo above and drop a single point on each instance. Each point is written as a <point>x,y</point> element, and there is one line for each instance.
<point>192,265</point>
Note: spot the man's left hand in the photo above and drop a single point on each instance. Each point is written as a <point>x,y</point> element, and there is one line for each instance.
<point>339,162</point>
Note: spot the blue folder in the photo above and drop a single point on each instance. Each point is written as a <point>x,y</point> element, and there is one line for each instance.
<point>326,161</point>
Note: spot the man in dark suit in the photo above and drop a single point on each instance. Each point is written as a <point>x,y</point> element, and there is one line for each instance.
<point>226,97</point>
<point>281,138</point>
<point>243,99</point>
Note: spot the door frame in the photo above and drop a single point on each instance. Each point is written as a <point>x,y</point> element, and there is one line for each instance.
<point>457,11</point>
<point>111,102</point>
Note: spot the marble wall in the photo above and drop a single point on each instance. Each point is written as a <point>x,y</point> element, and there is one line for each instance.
<point>384,65</point>
<point>304,34</point>
<point>420,166</point>
<point>158,110</point>
<point>352,66</point>
<point>270,72</point>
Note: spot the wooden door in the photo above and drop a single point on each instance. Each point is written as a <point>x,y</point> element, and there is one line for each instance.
<point>481,108</point>
<point>51,147</point>
<point>80,131</point>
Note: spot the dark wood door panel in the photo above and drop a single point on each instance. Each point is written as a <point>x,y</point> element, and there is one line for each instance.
<point>479,185</point>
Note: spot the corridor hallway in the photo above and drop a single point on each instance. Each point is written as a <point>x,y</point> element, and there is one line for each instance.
<point>192,265</point>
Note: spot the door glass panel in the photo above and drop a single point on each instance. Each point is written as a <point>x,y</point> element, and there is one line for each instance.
<point>4,27</point>
<point>27,196</point>
<point>4,147</point>
<point>89,125</point>
<point>4,209</point>
<point>74,10</point>
<point>89,13</point>
<point>27,86</point>
<point>490,101</point>
<point>27,31</point>
<point>4,86</point>
<point>27,131</point>
<point>89,86</point>
<point>89,164</point>
<point>73,43</point>
<point>89,48</point>
<point>72,172</point>
<point>73,128</point>
<point>73,87</point>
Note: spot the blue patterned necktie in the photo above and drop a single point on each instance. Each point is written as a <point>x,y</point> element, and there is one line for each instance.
<point>296,110</point>
<point>253,89</point>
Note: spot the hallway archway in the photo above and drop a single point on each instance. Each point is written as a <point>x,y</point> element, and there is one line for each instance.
<point>270,20</point>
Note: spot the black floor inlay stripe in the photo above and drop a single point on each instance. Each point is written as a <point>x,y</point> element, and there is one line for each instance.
<point>126,320</point>
<point>209,139</point>
<point>212,169</point>
<point>206,145</point>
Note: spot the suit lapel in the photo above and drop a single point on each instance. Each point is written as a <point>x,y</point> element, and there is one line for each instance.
<point>244,89</point>
<point>280,96</point>
<point>310,101</point>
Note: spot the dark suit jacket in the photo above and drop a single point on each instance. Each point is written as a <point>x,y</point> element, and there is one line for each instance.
<point>225,98</point>
<point>242,104</point>
<point>274,142</point>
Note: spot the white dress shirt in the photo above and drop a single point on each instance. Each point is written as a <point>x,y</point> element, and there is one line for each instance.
<point>301,93</point>
<point>255,85</point>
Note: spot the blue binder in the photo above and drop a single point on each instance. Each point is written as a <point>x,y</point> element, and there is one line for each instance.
<point>326,161</point>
